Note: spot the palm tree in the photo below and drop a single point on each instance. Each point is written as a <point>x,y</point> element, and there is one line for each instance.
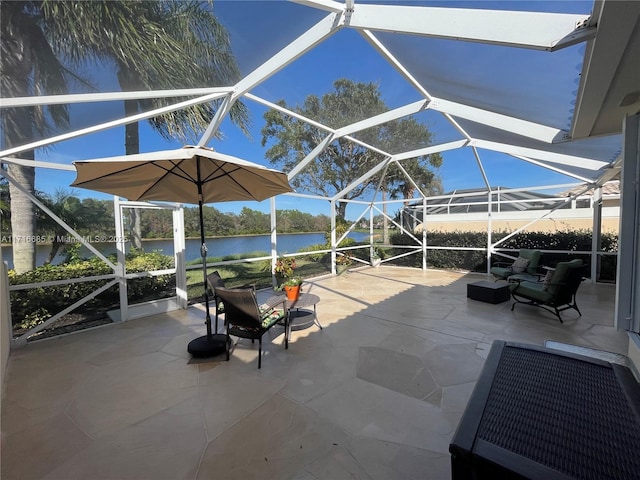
<point>163,45</point>
<point>5,209</point>
<point>28,66</point>
<point>158,44</point>
<point>73,212</point>
<point>206,45</point>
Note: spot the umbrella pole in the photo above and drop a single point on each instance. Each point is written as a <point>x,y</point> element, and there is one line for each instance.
<point>210,344</point>
<point>203,254</point>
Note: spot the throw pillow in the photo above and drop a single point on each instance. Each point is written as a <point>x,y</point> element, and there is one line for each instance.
<point>520,265</point>
<point>547,278</point>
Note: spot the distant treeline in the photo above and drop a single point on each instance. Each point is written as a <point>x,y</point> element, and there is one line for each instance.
<point>96,218</point>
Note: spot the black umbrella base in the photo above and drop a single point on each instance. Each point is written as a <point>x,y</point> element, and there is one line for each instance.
<point>207,346</point>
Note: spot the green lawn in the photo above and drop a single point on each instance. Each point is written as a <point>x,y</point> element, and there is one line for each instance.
<point>249,273</point>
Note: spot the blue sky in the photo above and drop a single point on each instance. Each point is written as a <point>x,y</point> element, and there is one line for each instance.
<point>260,30</point>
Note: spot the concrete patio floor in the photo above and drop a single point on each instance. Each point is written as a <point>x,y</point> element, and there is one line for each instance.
<point>376,394</point>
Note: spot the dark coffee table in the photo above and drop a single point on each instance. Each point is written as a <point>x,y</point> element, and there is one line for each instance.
<point>490,292</point>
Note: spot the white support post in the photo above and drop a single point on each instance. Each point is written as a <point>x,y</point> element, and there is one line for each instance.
<point>424,233</point>
<point>179,248</point>
<point>121,255</point>
<point>274,238</point>
<point>489,231</point>
<point>333,237</point>
<point>596,234</point>
<point>627,314</point>
<point>371,248</point>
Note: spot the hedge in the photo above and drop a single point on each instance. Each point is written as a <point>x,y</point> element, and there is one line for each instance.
<point>33,306</point>
<point>579,240</point>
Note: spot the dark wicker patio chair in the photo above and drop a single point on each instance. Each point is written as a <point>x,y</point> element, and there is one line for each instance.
<point>502,270</point>
<point>556,295</point>
<point>214,281</point>
<point>244,318</point>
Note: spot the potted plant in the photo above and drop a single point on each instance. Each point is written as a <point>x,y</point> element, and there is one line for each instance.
<point>286,280</point>
<point>283,269</point>
<point>376,258</point>
<point>291,287</point>
<point>343,262</point>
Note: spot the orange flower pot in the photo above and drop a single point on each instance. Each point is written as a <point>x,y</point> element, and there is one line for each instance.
<point>292,292</point>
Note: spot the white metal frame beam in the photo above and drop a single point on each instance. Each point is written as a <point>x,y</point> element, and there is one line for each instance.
<point>305,42</point>
<point>361,179</point>
<point>383,118</point>
<point>518,126</point>
<point>561,158</point>
<point>108,96</point>
<point>382,50</point>
<point>328,5</point>
<point>111,124</point>
<point>442,147</point>
<point>58,220</point>
<point>553,169</point>
<point>498,27</point>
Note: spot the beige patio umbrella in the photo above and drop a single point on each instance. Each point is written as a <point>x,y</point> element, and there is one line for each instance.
<point>186,175</point>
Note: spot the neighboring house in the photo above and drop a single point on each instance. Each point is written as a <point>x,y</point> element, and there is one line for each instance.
<point>511,209</point>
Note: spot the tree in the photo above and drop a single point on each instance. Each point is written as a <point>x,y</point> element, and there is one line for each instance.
<point>343,161</point>
<point>216,223</point>
<point>253,221</point>
<point>159,44</point>
<point>155,44</point>
<point>190,49</point>
<point>73,212</point>
<point>28,66</point>
<point>156,223</point>
<point>5,207</point>
<point>295,221</point>
<point>163,45</point>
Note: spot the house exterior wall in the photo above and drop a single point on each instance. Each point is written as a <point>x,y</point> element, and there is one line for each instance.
<point>560,220</point>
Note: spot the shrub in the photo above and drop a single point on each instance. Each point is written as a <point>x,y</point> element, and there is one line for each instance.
<point>341,229</point>
<point>315,257</point>
<point>578,240</point>
<point>32,307</point>
<point>285,266</point>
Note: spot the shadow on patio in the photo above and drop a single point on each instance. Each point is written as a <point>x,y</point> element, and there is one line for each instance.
<point>376,394</point>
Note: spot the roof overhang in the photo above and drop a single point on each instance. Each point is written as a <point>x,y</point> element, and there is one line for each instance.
<point>610,79</point>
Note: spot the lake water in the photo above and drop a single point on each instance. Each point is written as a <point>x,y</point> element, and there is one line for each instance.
<point>217,247</point>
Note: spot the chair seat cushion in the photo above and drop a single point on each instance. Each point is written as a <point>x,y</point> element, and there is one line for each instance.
<point>271,316</point>
<point>525,277</point>
<point>501,272</point>
<point>245,332</point>
<point>533,290</point>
